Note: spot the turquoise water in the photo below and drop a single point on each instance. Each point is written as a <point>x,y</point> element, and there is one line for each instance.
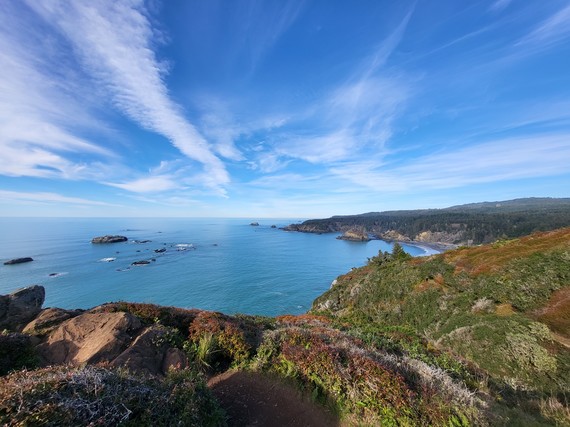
<point>214,264</point>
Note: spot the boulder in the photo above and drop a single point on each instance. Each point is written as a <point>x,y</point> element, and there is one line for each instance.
<point>148,353</point>
<point>254,224</point>
<point>89,338</point>
<point>174,359</point>
<point>48,320</point>
<point>21,307</point>
<point>109,239</point>
<point>19,260</point>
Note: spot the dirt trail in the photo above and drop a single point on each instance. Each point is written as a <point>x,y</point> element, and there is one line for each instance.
<point>252,399</point>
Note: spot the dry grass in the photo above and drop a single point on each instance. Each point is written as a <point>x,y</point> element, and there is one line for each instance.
<point>556,313</point>
<point>491,258</point>
<point>504,310</point>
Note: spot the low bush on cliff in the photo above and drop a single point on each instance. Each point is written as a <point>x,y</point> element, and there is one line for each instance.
<point>100,396</point>
<point>364,385</point>
<point>16,352</point>
<point>173,317</point>
<point>218,341</point>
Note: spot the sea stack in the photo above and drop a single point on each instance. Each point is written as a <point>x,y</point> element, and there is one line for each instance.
<point>109,239</point>
<point>355,236</point>
<point>19,260</point>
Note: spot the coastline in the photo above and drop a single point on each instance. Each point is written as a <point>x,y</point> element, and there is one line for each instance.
<point>438,247</point>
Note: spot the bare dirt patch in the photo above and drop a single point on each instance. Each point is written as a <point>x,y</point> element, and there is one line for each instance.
<point>253,399</point>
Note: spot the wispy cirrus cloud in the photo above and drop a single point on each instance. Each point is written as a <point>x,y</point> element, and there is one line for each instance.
<point>150,184</point>
<point>115,41</point>
<point>499,5</point>
<point>494,161</point>
<point>38,138</point>
<point>48,197</point>
<point>356,115</point>
<point>550,31</point>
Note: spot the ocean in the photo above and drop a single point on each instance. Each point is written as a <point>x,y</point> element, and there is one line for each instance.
<point>216,264</point>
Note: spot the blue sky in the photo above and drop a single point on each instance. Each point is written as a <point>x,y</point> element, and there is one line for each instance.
<point>280,109</point>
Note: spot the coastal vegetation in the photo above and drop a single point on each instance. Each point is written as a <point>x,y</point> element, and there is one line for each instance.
<point>472,336</point>
<point>472,224</point>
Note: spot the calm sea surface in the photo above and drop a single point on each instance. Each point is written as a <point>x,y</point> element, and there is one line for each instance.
<point>215,264</point>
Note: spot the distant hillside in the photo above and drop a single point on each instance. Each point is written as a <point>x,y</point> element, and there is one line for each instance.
<point>474,223</point>
<point>505,308</point>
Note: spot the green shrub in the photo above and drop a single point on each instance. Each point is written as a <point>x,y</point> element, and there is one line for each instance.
<point>16,352</point>
<point>100,396</point>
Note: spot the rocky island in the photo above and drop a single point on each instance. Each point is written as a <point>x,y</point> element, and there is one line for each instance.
<point>354,235</point>
<point>109,239</point>
<point>18,261</point>
<point>474,336</point>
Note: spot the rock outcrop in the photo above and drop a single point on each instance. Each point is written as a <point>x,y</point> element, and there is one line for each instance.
<point>355,236</point>
<point>20,307</point>
<point>439,236</point>
<point>89,338</point>
<point>19,260</point>
<point>148,353</point>
<point>109,239</point>
<point>48,320</point>
<point>393,235</point>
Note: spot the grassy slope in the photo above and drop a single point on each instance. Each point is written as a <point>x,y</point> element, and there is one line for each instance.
<point>503,308</point>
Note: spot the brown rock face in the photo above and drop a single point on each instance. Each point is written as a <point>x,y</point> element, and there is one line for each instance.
<point>20,307</point>
<point>89,338</point>
<point>174,359</point>
<point>49,319</point>
<point>148,352</point>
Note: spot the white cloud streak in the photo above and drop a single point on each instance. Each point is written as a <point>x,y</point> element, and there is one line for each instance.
<point>495,161</point>
<point>36,137</point>
<point>355,116</point>
<point>47,197</point>
<point>499,5</point>
<point>115,42</point>
<point>151,184</point>
<point>552,30</point>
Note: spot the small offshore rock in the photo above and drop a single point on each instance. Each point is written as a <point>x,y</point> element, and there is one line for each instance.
<point>19,260</point>
<point>355,236</point>
<point>109,239</point>
<point>273,226</point>
<point>161,250</point>
<point>254,224</point>
<point>142,262</point>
